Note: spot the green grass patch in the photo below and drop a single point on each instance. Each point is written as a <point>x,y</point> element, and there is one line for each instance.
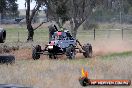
<point>15,34</point>
<point>117,55</point>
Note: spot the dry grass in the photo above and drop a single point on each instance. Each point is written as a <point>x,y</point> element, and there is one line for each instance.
<point>40,74</point>
<point>64,73</point>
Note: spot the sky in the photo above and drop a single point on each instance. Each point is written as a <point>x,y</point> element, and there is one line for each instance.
<point>21,4</point>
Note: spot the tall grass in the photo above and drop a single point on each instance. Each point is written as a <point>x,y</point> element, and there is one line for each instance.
<point>65,73</point>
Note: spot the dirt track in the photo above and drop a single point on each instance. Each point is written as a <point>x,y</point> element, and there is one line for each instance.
<point>100,48</point>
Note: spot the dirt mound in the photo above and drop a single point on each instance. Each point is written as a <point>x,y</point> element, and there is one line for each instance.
<point>22,53</point>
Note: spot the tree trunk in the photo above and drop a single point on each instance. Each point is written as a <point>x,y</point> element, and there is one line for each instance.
<point>29,23</point>
<point>29,18</point>
<point>74,32</point>
<point>0,18</point>
<point>73,29</point>
<point>30,33</point>
<point>58,22</point>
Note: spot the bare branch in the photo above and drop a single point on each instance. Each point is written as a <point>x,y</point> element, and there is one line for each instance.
<point>39,25</point>
<point>36,8</point>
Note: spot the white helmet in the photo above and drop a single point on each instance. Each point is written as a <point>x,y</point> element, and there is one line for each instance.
<point>66,30</point>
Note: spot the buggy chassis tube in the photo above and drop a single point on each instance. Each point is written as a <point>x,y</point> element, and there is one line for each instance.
<point>80,50</point>
<point>79,44</point>
<point>46,53</point>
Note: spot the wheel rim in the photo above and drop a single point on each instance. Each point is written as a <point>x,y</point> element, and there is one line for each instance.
<point>72,55</point>
<point>34,54</point>
<point>90,53</point>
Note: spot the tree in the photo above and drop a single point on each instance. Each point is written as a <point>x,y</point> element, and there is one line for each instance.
<point>80,11</point>
<point>57,11</point>
<point>2,8</point>
<point>30,16</point>
<point>12,8</point>
<point>75,11</point>
<point>8,8</point>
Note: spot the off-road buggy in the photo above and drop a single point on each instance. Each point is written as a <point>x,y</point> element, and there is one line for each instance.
<point>62,43</point>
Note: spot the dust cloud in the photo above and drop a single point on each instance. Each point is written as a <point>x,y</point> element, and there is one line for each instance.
<point>111,46</point>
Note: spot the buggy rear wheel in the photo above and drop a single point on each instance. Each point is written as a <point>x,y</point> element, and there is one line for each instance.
<point>35,54</point>
<point>88,50</point>
<point>70,52</point>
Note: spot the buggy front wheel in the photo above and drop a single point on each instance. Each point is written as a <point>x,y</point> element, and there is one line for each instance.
<point>35,54</point>
<point>70,52</point>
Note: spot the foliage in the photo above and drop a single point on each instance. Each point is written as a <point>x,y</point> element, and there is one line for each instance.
<point>75,11</point>
<point>130,2</point>
<point>2,5</point>
<point>61,12</point>
<point>130,11</point>
<point>8,8</point>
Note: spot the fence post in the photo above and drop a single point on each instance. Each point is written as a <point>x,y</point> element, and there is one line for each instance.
<point>18,38</point>
<point>94,33</point>
<point>122,33</point>
<point>108,36</point>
